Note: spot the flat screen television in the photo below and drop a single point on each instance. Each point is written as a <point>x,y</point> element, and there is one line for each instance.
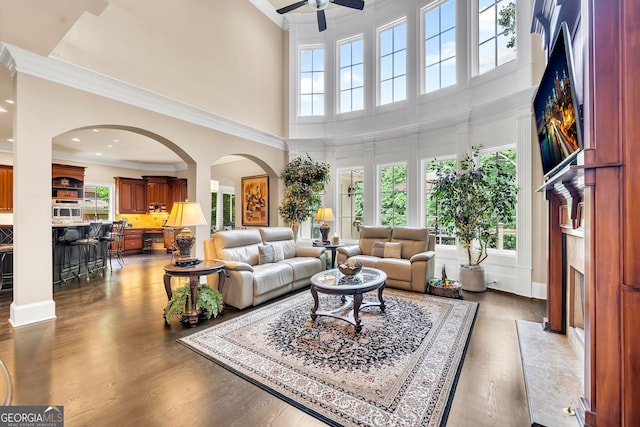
<point>556,109</point>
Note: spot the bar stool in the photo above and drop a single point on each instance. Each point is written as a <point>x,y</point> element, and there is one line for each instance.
<point>87,245</point>
<point>112,242</point>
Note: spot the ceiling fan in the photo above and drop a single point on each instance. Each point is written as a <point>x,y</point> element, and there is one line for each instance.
<point>320,5</point>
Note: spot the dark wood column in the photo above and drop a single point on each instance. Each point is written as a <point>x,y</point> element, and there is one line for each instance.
<point>612,177</point>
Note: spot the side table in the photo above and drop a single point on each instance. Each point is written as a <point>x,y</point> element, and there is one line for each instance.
<point>193,272</point>
<point>332,248</point>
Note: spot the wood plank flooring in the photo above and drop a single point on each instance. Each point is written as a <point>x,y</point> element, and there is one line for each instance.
<point>110,360</point>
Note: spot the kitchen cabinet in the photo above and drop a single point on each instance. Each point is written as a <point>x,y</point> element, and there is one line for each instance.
<point>157,193</point>
<point>177,191</point>
<point>131,195</point>
<point>133,240</point>
<point>6,188</point>
<point>67,182</point>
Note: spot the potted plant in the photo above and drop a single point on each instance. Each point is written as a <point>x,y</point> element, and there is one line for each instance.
<point>471,201</point>
<point>209,301</point>
<point>304,181</point>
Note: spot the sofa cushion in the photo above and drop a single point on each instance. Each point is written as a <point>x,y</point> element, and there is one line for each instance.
<point>266,254</point>
<point>386,249</point>
<point>396,268</point>
<point>370,234</point>
<point>281,238</point>
<point>414,240</point>
<point>237,245</point>
<point>378,249</point>
<point>267,277</point>
<point>304,267</point>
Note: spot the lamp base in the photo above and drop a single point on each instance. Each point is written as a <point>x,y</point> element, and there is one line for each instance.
<point>187,262</point>
<point>324,230</point>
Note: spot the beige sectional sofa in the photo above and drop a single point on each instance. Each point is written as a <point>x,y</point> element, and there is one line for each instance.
<point>261,264</point>
<point>405,254</point>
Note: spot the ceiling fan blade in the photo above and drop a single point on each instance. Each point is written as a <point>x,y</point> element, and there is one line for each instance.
<point>353,4</point>
<point>322,21</point>
<point>291,7</point>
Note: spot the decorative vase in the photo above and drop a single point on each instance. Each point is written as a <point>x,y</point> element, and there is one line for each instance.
<point>473,278</point>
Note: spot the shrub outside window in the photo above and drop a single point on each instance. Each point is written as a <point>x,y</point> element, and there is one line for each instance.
<point>393,195</point>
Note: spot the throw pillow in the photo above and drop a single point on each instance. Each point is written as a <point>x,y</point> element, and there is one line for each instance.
<point>266,254</point>
<point>392,250</point>
<point>278,253</point>
<point>378,249</point>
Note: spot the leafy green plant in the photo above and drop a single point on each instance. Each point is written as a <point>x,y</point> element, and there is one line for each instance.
<point>304,180</point>
<point>472,199</point>
<point>208,300</point>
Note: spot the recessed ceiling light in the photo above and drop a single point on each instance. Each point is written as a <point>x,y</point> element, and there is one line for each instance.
<point>116,140</point>
<point>9,101</point>
<point>109,146</point>
<point>2,110</point>
<point>9,139</point>
<point>75,139</point>
<point>98,154</point>
<point>96,130</point>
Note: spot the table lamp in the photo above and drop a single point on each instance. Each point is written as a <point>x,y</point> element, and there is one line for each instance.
<point>324,215</point>
<point>184,215</point>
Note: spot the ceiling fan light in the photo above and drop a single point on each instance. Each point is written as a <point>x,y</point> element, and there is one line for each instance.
<point>318,4</point>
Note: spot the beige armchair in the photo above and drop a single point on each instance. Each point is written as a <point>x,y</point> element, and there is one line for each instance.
<point>405,254</point>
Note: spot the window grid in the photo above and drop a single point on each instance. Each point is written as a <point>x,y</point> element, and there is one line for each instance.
<point>439,46</point>
<point>492,37</point>
<point>393,64</point>
<point>393,195</point>
<point>311,82</point>
<point>431,203</point>
<point>351,75</point>
<point>351,213</point>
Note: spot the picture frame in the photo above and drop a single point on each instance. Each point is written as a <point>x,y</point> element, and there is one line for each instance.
<point>255,200</point>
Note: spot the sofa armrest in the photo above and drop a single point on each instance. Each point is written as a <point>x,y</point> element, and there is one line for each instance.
<point>313,251</point>
<point>237,265</point>
<point>350,251</point>
<point>423,256</point>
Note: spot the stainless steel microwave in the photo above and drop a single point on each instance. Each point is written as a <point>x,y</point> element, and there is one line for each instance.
<point>66,213</point>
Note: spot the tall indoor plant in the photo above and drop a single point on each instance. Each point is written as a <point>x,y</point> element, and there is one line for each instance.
<point>304,180</point>
<point>471,201</point>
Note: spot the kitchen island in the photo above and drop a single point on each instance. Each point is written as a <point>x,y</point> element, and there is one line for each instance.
<point>74,256</point>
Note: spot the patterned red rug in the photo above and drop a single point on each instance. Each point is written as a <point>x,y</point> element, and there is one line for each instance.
<point>400,370</point>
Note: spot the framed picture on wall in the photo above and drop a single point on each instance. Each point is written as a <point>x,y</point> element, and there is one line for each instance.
<point>255,200</point>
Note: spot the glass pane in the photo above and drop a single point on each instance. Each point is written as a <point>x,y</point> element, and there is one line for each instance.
<point>448,44</point>
<point>400,63</point>
<point>432,78</point>
<point>505,54</point>
<point>484,3</point>
<point>305,83</point>
<point>345,101</point>
<point>399,88</point>
<point>357,52</point>
<point>318,60</point>
<point>305,61</point>
<point>432,51</point>
<point>400,37</point>
<point>386,42</point>
<point>432,22</point>
<point>386,92</point>
<point>358,99</point>
<point>486,56</point>
<point>318,105</point>
<point>448,15</point>
<point>448,72</point>
<point>357,76</point>
<point>345,78</point>
<point>305,105</point>
<point>345,54</point>
<point>486,24</point>
<point>318,82</point>
<point>386,67</point>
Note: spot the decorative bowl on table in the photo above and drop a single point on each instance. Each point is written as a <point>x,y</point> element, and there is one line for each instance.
<point>350,268</point>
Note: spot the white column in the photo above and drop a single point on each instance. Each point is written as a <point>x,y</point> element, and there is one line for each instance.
<point>524,207</point>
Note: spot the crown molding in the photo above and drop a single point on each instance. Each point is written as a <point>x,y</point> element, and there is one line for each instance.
<point>74,76</point>
<point>267,9</point>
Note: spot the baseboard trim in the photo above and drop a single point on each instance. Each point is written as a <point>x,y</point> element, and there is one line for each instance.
<point>539,290</point>
<point>32,313</point>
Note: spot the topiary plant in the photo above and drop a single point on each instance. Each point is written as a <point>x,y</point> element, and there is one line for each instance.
<point>208,301</point>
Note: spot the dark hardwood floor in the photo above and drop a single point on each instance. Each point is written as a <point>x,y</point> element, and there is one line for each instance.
<point>110,360</point>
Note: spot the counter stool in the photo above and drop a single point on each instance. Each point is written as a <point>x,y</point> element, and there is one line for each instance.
<point>71,259</point>
<point>89,245</point>
<point>112,242</point>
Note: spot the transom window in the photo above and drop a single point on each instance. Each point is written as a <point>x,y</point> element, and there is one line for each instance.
<point>496,33</point>
<point>351,75</point>
<point>439,45</point>
<point>393,63</point>
<point>393,195</point>
<point>311,82</point>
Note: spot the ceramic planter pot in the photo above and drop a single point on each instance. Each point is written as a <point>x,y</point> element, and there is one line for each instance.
<point>473,278</point>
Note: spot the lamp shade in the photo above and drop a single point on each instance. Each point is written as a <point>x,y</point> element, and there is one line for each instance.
<point>324,214</point>
<point>185,214</point>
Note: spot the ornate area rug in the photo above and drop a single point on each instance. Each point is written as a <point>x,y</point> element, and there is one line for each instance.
<point>401,370</point>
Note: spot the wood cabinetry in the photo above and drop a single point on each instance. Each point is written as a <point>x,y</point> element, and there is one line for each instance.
<point>133,240</point>
<point>157,193</point>
<point>67,182</point>
<point>177,191</point>
<point>131,195</point>
<point>6,188</point>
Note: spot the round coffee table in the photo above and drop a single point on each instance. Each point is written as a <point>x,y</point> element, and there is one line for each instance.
<point>351,288</point>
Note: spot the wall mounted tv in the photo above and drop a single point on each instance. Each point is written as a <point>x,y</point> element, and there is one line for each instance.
<point>556,109</point>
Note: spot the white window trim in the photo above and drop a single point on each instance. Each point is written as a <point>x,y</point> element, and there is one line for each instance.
<point>398,21</point>
<point>421,45</point>
<point>340,42</point>
<point>298,73</point>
